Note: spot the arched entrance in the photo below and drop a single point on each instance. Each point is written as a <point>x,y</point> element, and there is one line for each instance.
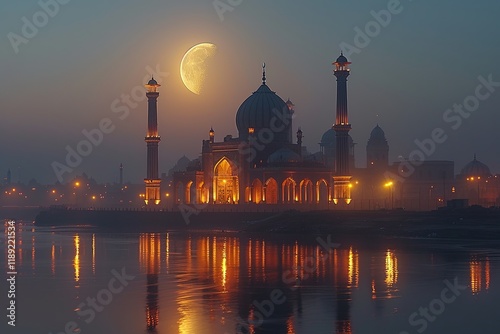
<point>226,186</point>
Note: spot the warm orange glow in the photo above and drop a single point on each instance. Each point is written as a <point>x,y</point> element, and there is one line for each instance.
<point>391,268</point>
<point>479,275</point>
<point>53,259</point>
<point>77,184</point>
<point>388,184</point>
<point>353,268</point>
<point>93,253</point>
<point>251,130</point>
<point>76,260</point>
<point>33,251</point>
<point>93,197</point>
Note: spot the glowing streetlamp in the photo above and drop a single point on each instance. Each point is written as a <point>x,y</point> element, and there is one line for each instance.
<point>478,180</point>
<point>391,185</point>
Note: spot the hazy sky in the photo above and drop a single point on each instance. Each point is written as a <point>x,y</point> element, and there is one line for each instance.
<point>66,76</point>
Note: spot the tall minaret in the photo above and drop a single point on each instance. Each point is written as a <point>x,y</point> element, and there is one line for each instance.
<point>342,178</point>
<point>152,181</point>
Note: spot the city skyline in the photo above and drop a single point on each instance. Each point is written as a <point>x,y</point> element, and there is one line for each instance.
<point>62,81</point>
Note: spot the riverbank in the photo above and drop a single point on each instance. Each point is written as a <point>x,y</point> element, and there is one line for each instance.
<point>471,223</point>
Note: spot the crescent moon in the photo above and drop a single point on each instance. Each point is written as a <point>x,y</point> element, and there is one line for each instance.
<point>194,66</point>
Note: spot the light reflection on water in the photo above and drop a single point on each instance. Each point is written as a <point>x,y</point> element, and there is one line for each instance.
<point>206,283</point>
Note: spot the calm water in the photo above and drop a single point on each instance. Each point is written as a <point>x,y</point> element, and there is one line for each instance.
<point>215,283</point>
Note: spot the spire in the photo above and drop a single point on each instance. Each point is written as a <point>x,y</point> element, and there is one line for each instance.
<point>475,157</point>
<point>264,73</point>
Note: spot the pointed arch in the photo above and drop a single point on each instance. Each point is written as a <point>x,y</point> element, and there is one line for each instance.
<point>190,193</point>
<point>256,191</point>
<point>288,191</point>
<point>270,195</point>
<point>322,195</point>
<point>306,191</point>
<point>226,183</point>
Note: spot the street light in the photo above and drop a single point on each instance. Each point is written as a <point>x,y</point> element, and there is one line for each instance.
<point>391,185</point>
<point>478,179</point>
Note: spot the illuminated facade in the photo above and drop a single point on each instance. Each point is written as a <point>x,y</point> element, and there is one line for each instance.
<point>264,165</point>
<point>152,182</point>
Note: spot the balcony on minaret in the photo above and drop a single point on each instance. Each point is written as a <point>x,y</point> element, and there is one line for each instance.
<point>152,86</point>
<point>342,64</point>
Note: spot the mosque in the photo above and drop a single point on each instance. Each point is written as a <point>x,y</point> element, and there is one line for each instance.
<point>267,164</point>
<point>266,167</point>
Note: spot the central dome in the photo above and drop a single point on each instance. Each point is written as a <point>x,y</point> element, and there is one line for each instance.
<point>265,110</point>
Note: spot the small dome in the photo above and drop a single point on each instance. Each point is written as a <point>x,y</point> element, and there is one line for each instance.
<point>377,137</point>
<point>152,82</point>
<point>259,110</point>
<point>476,168</point>
<point>283,155</point>
<point>342,59</point>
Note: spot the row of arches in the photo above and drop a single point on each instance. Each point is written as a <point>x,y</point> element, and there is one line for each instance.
<point>224,188</point>
<point>289,191</point>
<point>259,192</point>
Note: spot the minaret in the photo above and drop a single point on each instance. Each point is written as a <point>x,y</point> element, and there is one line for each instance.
<point>342,178</point>
<point>152,181</point>
<point>299,137</point>
<point>121,173</point>
<point>211,135</point>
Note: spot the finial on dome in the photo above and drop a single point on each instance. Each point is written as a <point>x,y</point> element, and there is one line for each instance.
<point>263,73</point>
<point>475,157</point>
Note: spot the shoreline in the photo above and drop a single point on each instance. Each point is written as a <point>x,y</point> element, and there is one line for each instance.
<point>474,223</point>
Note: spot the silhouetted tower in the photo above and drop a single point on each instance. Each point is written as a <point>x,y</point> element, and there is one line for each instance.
<point>377,150</point>
<point>299,137</point>
<point>211,135</point>
<point>152,181</point>
<point>121,173</point>
<point>342,178</point>
<point>9,177</point>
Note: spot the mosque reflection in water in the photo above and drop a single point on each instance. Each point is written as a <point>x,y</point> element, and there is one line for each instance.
<point>244,272</point>
<point>196,281</point>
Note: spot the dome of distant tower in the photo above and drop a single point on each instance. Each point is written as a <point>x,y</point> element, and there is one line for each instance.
<point>476,168</point>
<point>377,136</point>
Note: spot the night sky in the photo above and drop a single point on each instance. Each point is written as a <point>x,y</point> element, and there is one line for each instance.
<point>65,77</point>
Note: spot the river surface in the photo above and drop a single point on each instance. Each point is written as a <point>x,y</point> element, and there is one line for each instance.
<point>78,280</point>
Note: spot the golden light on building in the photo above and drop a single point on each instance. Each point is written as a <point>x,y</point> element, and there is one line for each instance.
<point>391,268</point>
<point>76,260</point>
